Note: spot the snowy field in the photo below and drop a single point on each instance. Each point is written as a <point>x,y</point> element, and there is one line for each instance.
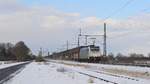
<point>134,71</point>
<point>58,72</point>
<point>49,73</point>
<point>130,68</point>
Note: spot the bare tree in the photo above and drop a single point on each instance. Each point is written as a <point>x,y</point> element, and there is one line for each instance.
<point>21,51</point>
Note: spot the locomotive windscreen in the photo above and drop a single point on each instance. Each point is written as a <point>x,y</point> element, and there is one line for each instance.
<point>94,48</point>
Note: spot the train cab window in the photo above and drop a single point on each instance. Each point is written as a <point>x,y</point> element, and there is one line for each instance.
<point>94,49</point>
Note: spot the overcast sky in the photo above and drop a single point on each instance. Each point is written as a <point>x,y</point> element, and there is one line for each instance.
<point>50,23</point>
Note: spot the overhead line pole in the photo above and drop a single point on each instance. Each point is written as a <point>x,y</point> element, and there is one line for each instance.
<point>67,45</point>
<point>105,41</point>
<point>79,38</point>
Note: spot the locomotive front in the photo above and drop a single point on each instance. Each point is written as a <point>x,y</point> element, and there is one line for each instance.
<point>90,51</point>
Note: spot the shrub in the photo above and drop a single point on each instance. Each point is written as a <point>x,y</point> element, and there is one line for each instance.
<point>90,80</point>
<point>39,59</point>
<point>61,69</point>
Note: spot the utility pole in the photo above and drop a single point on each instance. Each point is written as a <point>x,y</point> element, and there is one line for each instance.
<point>48,53</point>
<point>86,37</point>
<point>40,52</point>
<point>67,45</point>
<point>105,44</point>
<point>79,37</point>
<point>93,39</point>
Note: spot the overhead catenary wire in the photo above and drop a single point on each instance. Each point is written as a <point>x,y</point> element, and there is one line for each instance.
<point>145,10</point>
<point>118,10</point>
<point>115,12</point>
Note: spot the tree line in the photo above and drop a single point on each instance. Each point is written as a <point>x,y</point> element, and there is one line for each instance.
<point>131,58</point>
<point>17,52</point>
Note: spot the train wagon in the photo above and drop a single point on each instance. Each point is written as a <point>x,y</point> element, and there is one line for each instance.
<point>89,53</point>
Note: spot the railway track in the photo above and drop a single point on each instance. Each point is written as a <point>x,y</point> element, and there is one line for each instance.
<point>115,75</point>
<point>6,73</point>
<point>104,76</point>
<point>86,74</point>
<point>109,78</point>
<point>102,79</point>
<point>126,64</point>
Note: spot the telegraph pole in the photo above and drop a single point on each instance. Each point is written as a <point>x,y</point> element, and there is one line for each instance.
<point>105,42</point>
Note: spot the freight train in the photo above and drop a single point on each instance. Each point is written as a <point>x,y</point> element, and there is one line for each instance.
<point>89,53</point>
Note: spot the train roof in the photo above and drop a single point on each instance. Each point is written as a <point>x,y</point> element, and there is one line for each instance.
<point>77,48</point>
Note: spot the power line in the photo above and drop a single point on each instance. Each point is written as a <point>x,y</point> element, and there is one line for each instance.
<point>118,10</point>
<point>120,35</point>
<point>145,10</point>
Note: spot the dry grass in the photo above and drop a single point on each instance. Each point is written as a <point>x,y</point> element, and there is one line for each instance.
<point>71,75</point>
<point>76,65</point>
<point>145,75</point>
<point>90,80</point>
<point>61,69</point>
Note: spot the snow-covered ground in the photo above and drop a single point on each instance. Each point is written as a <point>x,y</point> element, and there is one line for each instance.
<point>134,71</point>
<point>5,64</point>
<point>129,68</point>
<point>50,73</point>
<point>58,72</point>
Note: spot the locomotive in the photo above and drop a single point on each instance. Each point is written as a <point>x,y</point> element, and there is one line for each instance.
<point>90,53</point>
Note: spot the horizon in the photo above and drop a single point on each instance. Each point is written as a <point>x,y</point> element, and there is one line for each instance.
<point>49,24</point>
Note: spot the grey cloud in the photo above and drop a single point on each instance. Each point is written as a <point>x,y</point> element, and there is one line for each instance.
<point>50,28</point>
